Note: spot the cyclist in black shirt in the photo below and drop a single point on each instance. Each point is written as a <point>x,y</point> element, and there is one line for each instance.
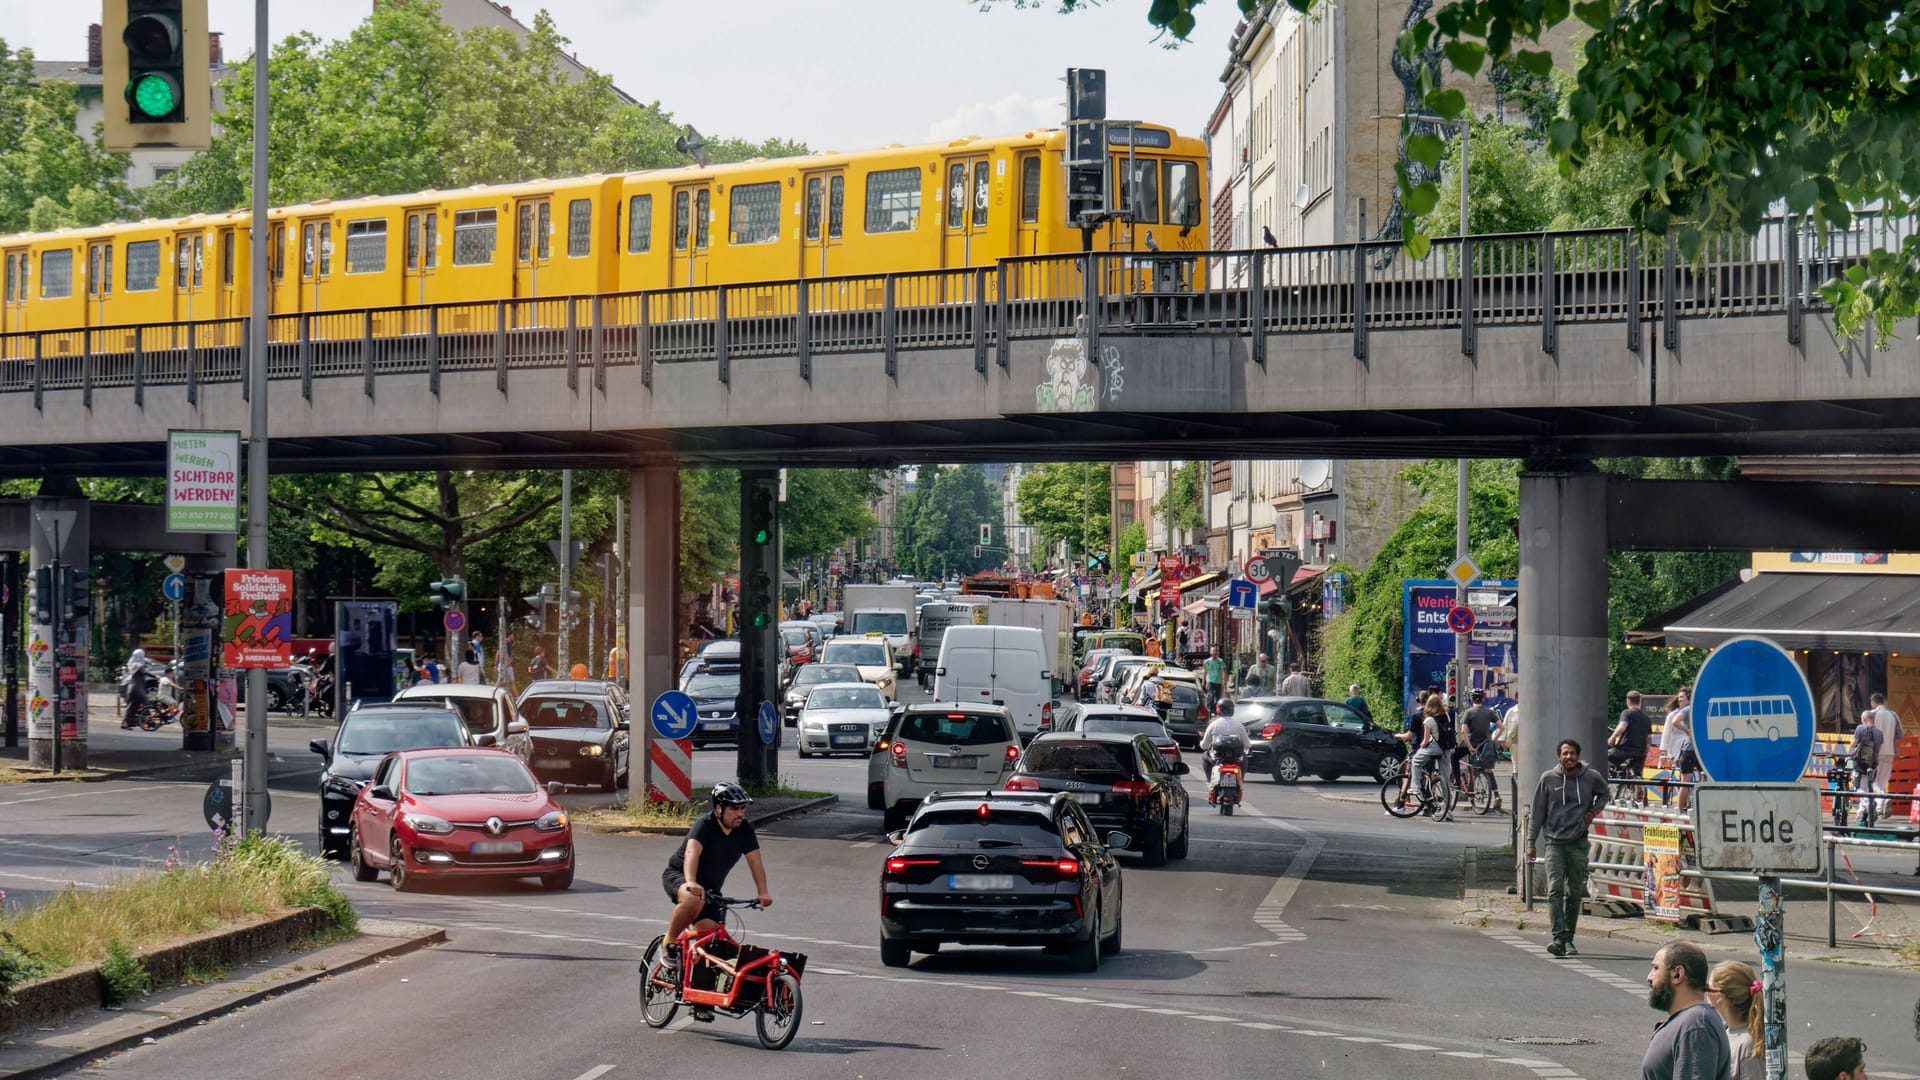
<point>696,875</point>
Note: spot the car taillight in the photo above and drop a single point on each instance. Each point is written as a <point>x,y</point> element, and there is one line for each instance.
<point>1013,754</point>
<point>1271,730</point>
<point>1134,788</point>
<point>1046,714</point>
<point>1063,867</point>
<point>900,865</point>
<point>900,755</point>
<point>1023,783</point>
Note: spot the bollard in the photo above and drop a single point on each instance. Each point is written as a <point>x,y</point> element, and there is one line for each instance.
<point>1526,870</point>
<point>1832,941</point>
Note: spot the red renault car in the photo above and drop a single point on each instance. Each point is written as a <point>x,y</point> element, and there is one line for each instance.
<point>453,812</point>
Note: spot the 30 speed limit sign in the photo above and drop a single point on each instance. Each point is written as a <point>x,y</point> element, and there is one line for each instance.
<point>1257,571</point>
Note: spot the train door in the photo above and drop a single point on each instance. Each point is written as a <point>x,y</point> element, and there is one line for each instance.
<point>692,231</point>
<point>99,280</point>
<point>969,194</point>
<point>533,243</point>
<point>190,301</point>
<point>316,261</point>
<point>1027,172</point>
<point>423,254</point>
<point>13,304</point>
<point>825,222</point>
<point>228,271</point>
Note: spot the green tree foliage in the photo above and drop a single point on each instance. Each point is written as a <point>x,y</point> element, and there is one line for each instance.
<point>942,518</point>
<point>1728,109</point>
<point>1133,540</point>
<point>1067,500</point>
<point>826,508</point>
<point>709,527</point>
<point>50,176</point>
<point>1183,501</point>
<point>406,103</point>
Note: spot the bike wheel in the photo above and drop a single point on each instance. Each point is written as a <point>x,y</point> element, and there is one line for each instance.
<point>1394,804</point>
<point>1448,797</point>
<point>659,997</point>
<point>1484,792</point>
<point>777,1018</point>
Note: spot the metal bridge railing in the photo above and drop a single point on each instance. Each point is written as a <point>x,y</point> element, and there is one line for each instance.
<point>1546,279</point>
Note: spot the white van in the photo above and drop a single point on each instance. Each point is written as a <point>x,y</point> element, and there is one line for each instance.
<point>999,665</point>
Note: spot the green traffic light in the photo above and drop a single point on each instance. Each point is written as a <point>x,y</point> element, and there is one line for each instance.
<point>759,620</point>
<point>761,536</point>
<point>154,95</point>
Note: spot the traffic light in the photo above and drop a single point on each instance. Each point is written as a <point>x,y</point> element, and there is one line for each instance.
<point>43,596</point>
<point>76,594</point>
<point>986,535</point>
<point>155,55</point>
<point>760,516</point>
<point>1453,682</point>
<point>976,551</point>
<point>759,554</point>
<point>1086,94</point>
<point>447,593</point>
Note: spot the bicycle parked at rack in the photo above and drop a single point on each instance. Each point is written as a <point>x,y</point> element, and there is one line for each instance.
<point>720,972</point>
<point>1437,799</point>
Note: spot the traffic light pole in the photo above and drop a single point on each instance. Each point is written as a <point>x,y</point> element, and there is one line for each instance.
<point>760,649</point>
<point>253,804</point>
<point>566,567</point>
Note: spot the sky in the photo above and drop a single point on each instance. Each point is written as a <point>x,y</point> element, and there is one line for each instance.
<point>834,74</point>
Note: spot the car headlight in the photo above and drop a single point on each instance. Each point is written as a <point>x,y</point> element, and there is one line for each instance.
<point>552,820</point>
<point>427,823</point>
<point>344,786</point>
<point>593,750</point>
<point>813,726</point>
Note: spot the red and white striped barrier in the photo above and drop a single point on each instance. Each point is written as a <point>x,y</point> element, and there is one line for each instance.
<point>672,770</point>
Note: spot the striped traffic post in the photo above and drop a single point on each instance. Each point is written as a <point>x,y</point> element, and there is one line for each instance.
<point>671,752</point>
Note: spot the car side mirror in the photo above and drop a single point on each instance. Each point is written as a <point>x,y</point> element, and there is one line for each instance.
<point>318,746</point>
<point>518,727</point>
<point>555,787</point>
<point>896,837</point>
<point>1180,768</point>
<point>1118,840</point>
<point>940,672</point>
<point>485,740</point>
<point>381,792</point>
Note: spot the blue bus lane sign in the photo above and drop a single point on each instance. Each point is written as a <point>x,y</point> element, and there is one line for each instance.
<point>1753,715</point>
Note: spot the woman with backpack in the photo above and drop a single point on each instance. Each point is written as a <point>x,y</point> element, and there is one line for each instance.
<point>1864,754</point>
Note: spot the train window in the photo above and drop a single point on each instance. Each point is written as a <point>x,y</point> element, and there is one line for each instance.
<point>523,247</point>
<point>1137,184</point>
<point>679,221</point>
<point>13,282</point>
<point>473,234</point>
<point>980,193</point>
<point>56,274</point>
<point>579,228</point>
<point>893,200</point>
<point>544,235</point>
<point>1030,189</point>
<point>413,241</point>
<point>226,257</point>
<point>326,248</point>
<point>182,261</point>
<point>702,217</point>
<point>143,266</point>
<point>754,214</point>
<point>956,194</point>
<point>836,206</point>
<point>367,246</point>
<point>639,224</point>
<point>306,250</point>
<point>1183,193</point>
<point>100,269</point>
<point>198,260</point>
<point>277,252</point>
<point>813,208</point>
<point>432,238</point>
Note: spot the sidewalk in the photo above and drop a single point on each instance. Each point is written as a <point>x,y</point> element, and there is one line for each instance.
<point>114,753</point>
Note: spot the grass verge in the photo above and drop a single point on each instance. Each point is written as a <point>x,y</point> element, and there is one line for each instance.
<point>138,910</point>
<point>24,776</point>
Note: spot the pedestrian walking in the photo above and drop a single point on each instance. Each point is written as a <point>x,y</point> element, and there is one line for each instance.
<point>1565,801</point>
<point>1888,722</point>
<point>469,670</point>
<point>1260,674</point>
<point>478,644</point>
<point>1734,991</point>
<point>1296,684</point>
<point>1358,703</point>
<point>1691,1043</point>
<point>1864,754</point>
<point>1841,1057</point>
<point>538,668</point>
<point>1508,735</point>
<point>1216,674</point>
<point>430,670</point>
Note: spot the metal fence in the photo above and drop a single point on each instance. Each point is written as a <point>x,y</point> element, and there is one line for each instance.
<point>1524,279</point>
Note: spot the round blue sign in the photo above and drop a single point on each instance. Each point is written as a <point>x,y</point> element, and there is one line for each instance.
<point>673,715</point>
<point>769,722</point>
<point>1752,714</point>
<point>174,587</point>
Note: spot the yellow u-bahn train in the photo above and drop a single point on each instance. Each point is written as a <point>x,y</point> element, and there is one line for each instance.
<point>965,203</point>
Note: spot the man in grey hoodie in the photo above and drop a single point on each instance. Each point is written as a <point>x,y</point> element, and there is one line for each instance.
<point>1567,798</point>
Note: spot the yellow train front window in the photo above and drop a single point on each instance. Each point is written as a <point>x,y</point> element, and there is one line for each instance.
<point>1183,193</point>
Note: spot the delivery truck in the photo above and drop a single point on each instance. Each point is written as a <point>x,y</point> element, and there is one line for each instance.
<point>883,609</point>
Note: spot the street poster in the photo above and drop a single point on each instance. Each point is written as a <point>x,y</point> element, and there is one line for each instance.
<point>1428,641</point>
<point>203,481</point>
<point>1662,848</point>
<point>257,631</point>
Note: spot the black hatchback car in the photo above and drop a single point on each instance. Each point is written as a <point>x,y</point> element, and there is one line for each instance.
<point>1121,781</point>
<point>366,735</point>
<point>1296,737</point>
<point>1000,868</point>
<point>580,736</point>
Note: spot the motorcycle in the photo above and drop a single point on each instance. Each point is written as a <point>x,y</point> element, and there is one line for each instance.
<point>1228,772</point>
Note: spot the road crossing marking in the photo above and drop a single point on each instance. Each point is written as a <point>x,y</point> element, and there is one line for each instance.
<point>1608,978</point>
<point>1267,914</point>
<point>595,1072</point>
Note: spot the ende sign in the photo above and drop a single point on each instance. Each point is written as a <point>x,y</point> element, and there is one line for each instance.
<point>1757,828</point>
<point>203,481</point>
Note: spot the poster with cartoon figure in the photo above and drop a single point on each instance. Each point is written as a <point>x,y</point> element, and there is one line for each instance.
<point>257,628</point>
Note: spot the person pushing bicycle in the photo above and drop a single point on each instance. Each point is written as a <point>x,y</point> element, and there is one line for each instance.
<point>696,875</point>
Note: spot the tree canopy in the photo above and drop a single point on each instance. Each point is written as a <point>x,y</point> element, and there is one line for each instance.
<point>941,521</point>
<point>49,175</point>
<point>1067,500</point>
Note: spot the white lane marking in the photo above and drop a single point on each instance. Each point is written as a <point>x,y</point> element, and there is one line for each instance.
<point>865,844</point>
<point>596,1071</point>
<point>1606,978</point>
<point>53,880</point>
<point>73,854</point>
<point>102,790</point>
<point>1267,914</point>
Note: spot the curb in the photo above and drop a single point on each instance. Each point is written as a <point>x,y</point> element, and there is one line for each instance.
<point>418,937</point>
<point>803,807</point>
<point>100,776</point>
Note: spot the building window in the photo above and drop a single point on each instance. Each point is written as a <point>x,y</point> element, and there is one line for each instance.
<point>367,246</point>
<point>754,214</point>
<point>579,228</point>
<point>639,224</point>
<point>893,200</point>
<point>473,236</point>
<point>56,274</point>
<point>143,266</point>
<point>164,172</point>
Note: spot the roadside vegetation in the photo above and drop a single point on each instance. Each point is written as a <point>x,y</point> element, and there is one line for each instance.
<point>139,910</point>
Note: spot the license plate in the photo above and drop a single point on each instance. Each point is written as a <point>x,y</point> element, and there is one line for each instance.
<point>496,847</point>
<point>847,740</point>
<point>1087,798</point>
<point>1229,780</point>
<point>551,763</point>
<point>955,762</point>
<point>979,881</point>
<point>721,726</point>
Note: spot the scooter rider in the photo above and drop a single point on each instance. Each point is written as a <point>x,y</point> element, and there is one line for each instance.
<point>136,687</point>
<point>1226,733</point>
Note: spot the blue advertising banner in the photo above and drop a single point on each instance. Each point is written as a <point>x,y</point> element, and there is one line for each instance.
<point>1493,651</point>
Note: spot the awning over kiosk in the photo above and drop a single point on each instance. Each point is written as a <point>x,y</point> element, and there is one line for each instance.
<point>1855,612</point>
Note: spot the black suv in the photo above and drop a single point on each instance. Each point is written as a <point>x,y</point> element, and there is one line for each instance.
<point>368,734</point>
<point>1000,868</point>
<point>1121,781</point>
<point>1296,737</point>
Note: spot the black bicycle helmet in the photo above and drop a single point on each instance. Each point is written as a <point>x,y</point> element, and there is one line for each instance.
<point>728,793</point>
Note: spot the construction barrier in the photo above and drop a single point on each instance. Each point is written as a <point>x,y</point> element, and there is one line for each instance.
<point>1643,858</point>
<point>672,770</point>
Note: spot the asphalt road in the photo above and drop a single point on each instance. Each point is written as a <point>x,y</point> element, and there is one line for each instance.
<point>1307,935</point>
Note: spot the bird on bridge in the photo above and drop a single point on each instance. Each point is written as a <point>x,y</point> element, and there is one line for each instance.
<point>1152,244</point>
<point>1266,234</point>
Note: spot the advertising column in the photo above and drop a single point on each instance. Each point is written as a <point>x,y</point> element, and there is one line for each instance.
<point>199,622</point>
<point>256,632</point>
<point>203,496</point>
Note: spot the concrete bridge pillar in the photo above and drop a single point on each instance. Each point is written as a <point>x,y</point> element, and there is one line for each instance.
<point>653,596</point>
<point>1563,618</point>
<point>59,529</point>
